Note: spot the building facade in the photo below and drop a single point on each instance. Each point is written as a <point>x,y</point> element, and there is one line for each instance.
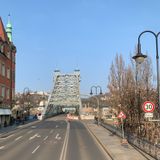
<point>7,73</point>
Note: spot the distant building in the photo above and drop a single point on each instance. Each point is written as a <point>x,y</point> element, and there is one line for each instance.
<point>29,104</point>
<point>7,72</point>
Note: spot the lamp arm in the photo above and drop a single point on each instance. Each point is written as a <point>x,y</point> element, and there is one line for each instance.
<point>147,31</point>
<point>156,38</point>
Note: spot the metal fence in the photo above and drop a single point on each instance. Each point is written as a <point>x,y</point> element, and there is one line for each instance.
<point>144,145</point>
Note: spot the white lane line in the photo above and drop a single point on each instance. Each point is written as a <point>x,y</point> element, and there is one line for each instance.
<point>11,135</point>
<point>35,149</point>
<point>45,138</point>
<point>18,138</point>
<point>65,144</point>
<point>51,131</point>
<point>56,126</point>
<point>29,132</point>
<point>2,147</point>
<point>8,136</point>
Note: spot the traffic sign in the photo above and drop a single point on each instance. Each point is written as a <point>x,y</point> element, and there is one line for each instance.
<point>121,115</point>
<point>148,115</point>
<point>148,107</point>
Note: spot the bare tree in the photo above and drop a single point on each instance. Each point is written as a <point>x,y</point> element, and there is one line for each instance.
<point>115,84</point>
<point>129,87</point>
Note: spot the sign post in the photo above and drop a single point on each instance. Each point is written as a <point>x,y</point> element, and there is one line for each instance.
<point>122,116</point>
<point>122,128</point>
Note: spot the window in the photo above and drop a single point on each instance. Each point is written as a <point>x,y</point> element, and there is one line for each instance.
<point>7,93</point>
<point>3,69</point>
<point>8,73</point>
<point>3,91</point>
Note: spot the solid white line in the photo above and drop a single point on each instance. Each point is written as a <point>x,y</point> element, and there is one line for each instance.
<point>45,138</point>
<point>35,149</point>
<point>2,147</point>
<point>8,136</point>
<point>11,135</point>
<point>18,138</point>
<point>64,148</point>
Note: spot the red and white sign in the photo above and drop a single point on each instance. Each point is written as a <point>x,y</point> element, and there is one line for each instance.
<point>148,107</point>
<point>121,115</point>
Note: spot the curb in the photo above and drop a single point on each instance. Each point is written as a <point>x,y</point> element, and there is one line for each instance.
<point>7,133</point>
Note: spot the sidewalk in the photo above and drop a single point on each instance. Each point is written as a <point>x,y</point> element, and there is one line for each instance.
<point>112,144</point>
<point>8,129</point>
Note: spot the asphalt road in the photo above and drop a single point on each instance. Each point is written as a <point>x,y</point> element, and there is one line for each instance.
<point>52,139</point>
<point>81,145</point>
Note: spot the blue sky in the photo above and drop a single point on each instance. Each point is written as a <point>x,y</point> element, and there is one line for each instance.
<point>71,34</point>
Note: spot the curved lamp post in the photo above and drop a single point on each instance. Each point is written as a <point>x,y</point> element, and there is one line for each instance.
<point>25,94</point>
<point>139,58</point>
<point>96,91</point>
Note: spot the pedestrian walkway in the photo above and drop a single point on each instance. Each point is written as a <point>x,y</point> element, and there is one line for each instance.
<point>113,144</point>
<point>8,129</point>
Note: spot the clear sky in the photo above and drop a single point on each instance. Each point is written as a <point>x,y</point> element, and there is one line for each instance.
<point>76,34</point>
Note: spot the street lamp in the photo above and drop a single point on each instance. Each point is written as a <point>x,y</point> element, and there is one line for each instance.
<point>25,99</point>
<point>139,58</point>
<point>96,91</point>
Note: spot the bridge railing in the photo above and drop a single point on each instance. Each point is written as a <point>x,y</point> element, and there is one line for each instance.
<point>146,146</point>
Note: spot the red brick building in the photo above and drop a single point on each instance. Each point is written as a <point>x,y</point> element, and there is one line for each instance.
<point>7,72</point>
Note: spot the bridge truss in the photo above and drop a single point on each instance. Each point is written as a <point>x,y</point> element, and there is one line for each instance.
<point>65,93</point>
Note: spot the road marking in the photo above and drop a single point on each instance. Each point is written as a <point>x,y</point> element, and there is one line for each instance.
<point>2,147</point>
<point>33,126</point>
<point>18,138</point>
<point>56,126</point>
<point>36,135</point>
<point>29,132</point>
<point>35,149</point>
<point>57,136</point>
<point>8,136</point>
<point>64,148</point>
<point>11,135</point>
<point>51,131</point>
<point>45,138</point>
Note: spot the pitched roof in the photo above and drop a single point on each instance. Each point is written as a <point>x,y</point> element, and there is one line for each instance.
<point>3,33</point>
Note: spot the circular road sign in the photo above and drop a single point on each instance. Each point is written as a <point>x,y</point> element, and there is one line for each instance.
<point>148,106</point>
